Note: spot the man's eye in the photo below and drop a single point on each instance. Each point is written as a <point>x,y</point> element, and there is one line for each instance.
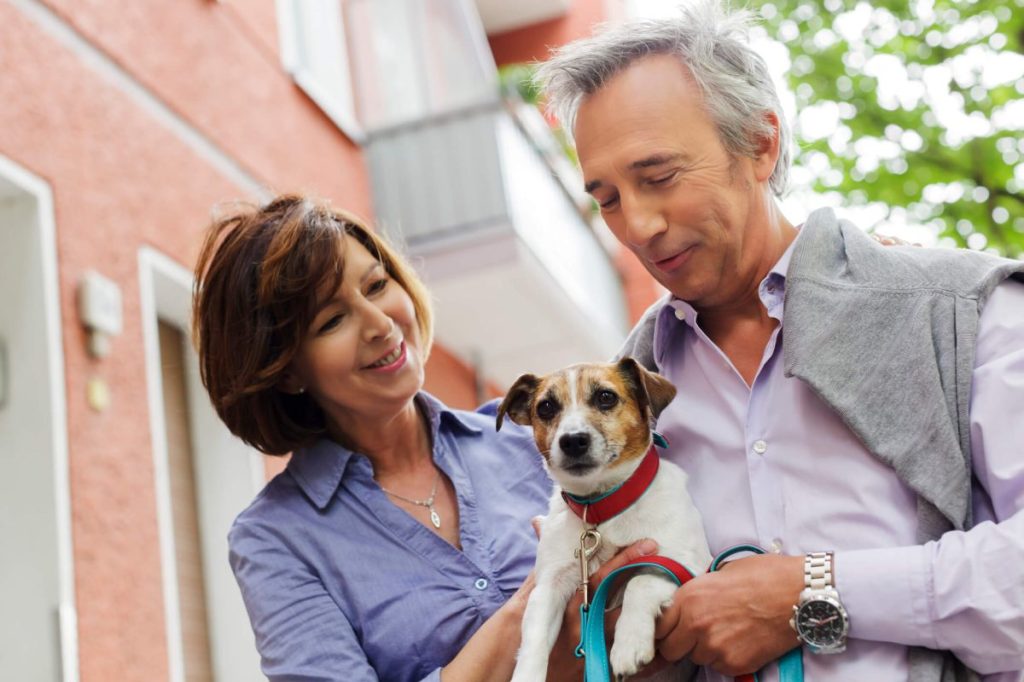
<point>608,203</point>
<point>663,179</point>
<point>546,409</point>
<point>607,399</point>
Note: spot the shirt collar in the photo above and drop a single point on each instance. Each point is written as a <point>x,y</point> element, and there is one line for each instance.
<point>678,310</point>
<point>320,468</point>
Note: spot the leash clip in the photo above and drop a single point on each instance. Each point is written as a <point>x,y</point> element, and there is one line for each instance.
<point>590,540</point>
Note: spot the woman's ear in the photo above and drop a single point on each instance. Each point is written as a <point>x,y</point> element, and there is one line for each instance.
<point>290,383</point>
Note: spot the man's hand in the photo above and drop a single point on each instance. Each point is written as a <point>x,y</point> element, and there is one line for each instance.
<point>735,620</point>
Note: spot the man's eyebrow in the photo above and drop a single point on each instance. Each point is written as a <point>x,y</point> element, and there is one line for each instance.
<point>656,160</point>
<point>648,162</point>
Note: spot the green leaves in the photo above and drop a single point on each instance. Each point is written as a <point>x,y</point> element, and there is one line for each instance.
<point>930,102</point>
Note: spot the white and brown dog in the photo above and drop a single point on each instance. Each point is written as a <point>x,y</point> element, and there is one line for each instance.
<point>592,423</point>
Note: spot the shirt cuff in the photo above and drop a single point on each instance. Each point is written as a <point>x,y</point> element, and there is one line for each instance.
<point>887,593</point>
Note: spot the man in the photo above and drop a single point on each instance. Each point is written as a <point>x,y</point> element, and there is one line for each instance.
<point>836,396</point>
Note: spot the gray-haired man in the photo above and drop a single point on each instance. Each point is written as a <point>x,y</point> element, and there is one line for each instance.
<point>855,409</point>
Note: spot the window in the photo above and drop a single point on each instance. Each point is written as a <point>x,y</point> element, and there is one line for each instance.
<point>417,59</point>
<point>312,39</point>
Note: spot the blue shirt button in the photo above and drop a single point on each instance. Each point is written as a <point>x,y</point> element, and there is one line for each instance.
<point>480,584</point>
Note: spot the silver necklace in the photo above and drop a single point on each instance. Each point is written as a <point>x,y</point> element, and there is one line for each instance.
<point>428,503</point>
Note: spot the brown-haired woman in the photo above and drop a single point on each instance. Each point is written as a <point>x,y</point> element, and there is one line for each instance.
<point>397,544</point>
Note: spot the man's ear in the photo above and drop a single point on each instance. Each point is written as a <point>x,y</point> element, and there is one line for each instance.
<point>768,149</point>
<point>518,400</point>
<point>652,391</point>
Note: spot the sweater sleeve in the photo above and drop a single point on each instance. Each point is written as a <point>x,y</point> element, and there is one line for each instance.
<point>964,592</point>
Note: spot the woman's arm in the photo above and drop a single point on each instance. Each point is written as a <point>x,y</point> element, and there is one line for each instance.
<point>490,654</point>
<point>301,634</point>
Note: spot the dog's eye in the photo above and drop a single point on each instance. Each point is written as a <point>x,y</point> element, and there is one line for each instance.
<point>546,409</point>
<point>607,399</point>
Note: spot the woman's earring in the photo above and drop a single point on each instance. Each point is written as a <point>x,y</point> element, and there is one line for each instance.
<point>302,389</point>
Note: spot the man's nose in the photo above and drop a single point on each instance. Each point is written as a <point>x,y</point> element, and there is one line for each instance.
<point>643,223</point>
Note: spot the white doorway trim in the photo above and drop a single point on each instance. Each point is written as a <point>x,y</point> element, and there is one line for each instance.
<point>57,391</point>
<point>228,475</point>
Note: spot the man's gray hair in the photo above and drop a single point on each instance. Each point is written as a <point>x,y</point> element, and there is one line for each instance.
<point>711,42</point>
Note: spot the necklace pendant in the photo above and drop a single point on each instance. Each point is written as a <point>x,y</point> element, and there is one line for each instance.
<point>435,519</point>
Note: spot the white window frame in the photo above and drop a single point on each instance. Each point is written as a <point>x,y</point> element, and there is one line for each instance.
<point>334,99</point>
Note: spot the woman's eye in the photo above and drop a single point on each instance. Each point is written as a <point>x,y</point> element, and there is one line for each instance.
<point>607,399</point>
<point>608,203</point>
<point>330,324</point>
<point>377,286</point>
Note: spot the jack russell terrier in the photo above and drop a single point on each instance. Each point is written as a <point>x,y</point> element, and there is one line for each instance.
<point>592,423</point>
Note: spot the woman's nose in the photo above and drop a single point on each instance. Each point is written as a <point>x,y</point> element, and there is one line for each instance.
<point>377,323</point>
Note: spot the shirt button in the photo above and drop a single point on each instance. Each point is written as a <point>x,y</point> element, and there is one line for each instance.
<point>480,584</point>
<point>776,547</point>
<point>680,314</point>
<point>760,447</point>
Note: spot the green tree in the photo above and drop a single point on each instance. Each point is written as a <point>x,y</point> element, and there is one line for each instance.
<point>923,108</point>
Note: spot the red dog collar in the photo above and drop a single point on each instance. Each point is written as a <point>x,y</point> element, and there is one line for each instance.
<point>600,508</point>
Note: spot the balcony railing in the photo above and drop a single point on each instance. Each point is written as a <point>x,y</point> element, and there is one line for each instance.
<point>521,280</point>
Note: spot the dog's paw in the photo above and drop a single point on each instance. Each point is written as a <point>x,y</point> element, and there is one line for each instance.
<point>632,649</point>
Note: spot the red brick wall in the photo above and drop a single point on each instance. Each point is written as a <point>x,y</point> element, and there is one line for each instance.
<point>532,43</point>
<point>122,179</point>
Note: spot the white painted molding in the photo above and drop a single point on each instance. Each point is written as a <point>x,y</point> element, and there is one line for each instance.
<point>66,615</point>
<point>228,475</point>
<point>151,266</point>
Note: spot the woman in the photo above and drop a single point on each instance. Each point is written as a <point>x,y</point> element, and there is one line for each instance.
<point>397,544</point>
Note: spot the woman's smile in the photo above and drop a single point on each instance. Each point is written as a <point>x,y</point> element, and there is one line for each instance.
<point>392,361</point>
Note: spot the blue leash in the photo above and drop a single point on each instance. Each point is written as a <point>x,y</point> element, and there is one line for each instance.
<point>592,640</point>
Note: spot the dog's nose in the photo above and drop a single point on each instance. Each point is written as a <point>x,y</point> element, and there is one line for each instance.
<point>574,444</point>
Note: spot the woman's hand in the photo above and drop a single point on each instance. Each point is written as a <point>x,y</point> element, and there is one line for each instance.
<point>490,654</point>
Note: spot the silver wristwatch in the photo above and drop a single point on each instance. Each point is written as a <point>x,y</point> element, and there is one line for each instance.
<point>820,621</point>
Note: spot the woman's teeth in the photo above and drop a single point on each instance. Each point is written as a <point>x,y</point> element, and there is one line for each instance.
<point>389,358</point>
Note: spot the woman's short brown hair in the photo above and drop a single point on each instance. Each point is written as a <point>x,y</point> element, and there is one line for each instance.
<point>260,277</point>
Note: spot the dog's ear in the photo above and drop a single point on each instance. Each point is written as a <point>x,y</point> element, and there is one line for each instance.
<point>517,401</point>
<point>653,391</point>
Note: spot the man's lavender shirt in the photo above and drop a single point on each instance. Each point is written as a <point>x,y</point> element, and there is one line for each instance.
<point>341,584</point>
<point>773,465</point>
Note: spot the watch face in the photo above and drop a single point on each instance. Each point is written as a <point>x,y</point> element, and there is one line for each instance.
<point>820,622</point>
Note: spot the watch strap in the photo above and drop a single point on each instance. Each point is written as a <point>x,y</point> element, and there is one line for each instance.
<point>818,573</point>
